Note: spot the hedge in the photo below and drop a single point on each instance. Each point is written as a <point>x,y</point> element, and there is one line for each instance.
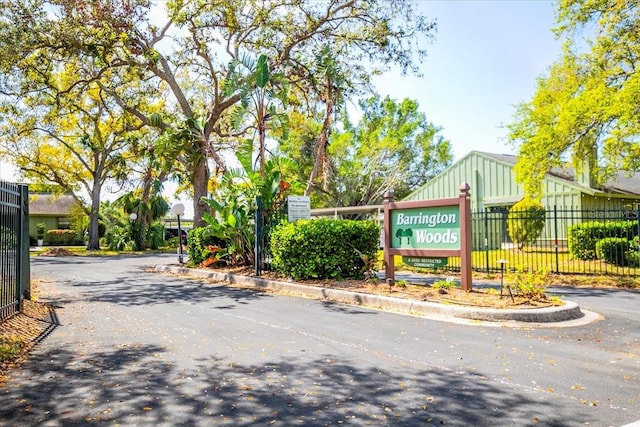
<point>612,250</point>
<point>60,237</point>
<point>582,238</point>
<point>323,248</point>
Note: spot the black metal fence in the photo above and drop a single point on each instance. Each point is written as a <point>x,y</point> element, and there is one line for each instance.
<point>14,248</point>
<point>267,217</point>
<point>552,250</point>
<point>493,246</point>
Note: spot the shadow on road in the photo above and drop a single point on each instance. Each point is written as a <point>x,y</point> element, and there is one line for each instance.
<point>150,289</point>
<point>132,384</point>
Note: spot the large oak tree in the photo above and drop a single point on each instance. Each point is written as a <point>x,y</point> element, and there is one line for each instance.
<point>191,53</point>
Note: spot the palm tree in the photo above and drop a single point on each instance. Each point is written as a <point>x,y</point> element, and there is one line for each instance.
<point>332,86</point>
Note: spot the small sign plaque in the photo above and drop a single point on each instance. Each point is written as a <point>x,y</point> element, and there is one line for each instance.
<point>424,262</point>
<point>298,207</point>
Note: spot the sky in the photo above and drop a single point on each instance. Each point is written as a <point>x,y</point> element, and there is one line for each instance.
<point>484,59</point>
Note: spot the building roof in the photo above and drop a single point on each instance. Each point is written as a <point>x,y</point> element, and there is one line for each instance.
<point>625,182</point>
<point>50,204</point>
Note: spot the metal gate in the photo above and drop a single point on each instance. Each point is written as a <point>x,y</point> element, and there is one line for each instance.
<point>14,247</point>
<point>266,218</point>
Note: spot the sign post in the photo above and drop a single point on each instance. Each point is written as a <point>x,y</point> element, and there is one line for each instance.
<point>436,229</point>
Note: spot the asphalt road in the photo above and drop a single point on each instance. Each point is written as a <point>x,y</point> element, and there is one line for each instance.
<point>139,348</point>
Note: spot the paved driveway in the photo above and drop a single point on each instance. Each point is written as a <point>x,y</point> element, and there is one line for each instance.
<point>136,347</point>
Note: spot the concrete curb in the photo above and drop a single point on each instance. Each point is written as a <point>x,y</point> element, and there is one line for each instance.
<point>568,312</point>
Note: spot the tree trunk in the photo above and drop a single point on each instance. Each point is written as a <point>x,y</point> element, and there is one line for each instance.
<point>94,217</point>
<point>321,148</point>
<point>201,176</point>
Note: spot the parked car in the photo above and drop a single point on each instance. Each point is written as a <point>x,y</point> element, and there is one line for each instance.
<point>173,232</point>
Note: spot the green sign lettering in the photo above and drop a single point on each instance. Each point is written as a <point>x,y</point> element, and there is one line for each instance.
<point>426,228</point>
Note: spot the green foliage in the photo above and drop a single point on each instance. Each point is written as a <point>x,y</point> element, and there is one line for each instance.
<point>582,237</point>
<point>40,228</point>
<point>199,241</point>
<point>392,146</point>
<point>633,255</point>
<point>323,248</point>
<point>232,221</point>
<point>61,237</point>
<point>7,238</point>
<point>234,205</point>
<point>119,238</point>
<point>613,250</point>
<point>526,221</point>
<point>528,283</point>
<point>154,236</point>
<point>587,103</point>
<point>448,283</point>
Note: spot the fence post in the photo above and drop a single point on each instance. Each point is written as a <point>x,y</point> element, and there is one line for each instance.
<point>555,236</point>
<point>24,260</point>
<point>257,253</point>
<point>486,238</point>
<point>638,219</point>
<point>389,267</point>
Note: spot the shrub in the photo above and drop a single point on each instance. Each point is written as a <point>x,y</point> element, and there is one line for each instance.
<point>155,236</point>
<point>633,255</point>
<point>40,227</point>
<point>532,285</point>
<point>612,250</point>
<point>61,236</point>
<point>525,221</point>
<point>324,248</point>
<point>232,224</point>
<point>199,241</point>
<point>119,238</point>
<point>582,238</point>
<point>448,283</point>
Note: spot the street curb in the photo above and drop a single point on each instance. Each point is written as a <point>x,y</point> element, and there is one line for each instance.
<point>569,311</point>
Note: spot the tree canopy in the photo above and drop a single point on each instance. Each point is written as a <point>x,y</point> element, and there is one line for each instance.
<point>188,62</point>
<point>68,134</point>
<point>586,106</point>
<point>392,146</point>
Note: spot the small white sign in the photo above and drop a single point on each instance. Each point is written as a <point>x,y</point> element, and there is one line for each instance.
<point>298,207</point>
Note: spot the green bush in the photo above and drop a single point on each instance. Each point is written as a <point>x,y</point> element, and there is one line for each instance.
<point>119,238</point>
<point>198,241</point>
<point>445,284</point>
<point>529,284</point>
<point>40,229</point>
<point>60,237</point>
<point>582,238</point>
<point>324,248</point>
<point>633,256</point>
<point>525,221</point>
<point>612,250</point>
<point>155,236</point>
<point>633,259</point>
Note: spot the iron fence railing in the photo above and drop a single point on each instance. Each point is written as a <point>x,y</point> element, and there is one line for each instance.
<point>267,217</point>
<point>494,248</point>
<point>552,251</point>
<point>14,248</point>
